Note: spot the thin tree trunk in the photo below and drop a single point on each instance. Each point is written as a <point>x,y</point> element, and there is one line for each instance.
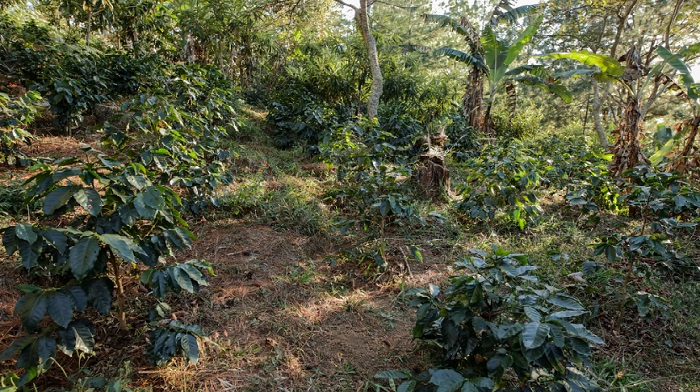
<point>585,116</point>
<point>489,127</point>
<point>512,94</point>
<point>362,19</point>
<point>677,8</point>
<point>602,137</point>
<point>89,27</point>
<point>120,296</point>
<point>622,19</point>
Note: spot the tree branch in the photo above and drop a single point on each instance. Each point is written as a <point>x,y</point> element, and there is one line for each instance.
<point>341,2</point>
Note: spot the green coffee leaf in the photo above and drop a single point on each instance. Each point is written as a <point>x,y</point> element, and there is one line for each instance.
<point>149,202</point>
<point>25,232</point>
<point>182,279</point>
<point>532,314</point>
<point>29,253</point>
<point>122,246</point>
<point>566,314</point>
<point>16,347</point>
<point>46,350</point>
<point>190,347</point>
<point>565,302</point>
<point>194,274</point>
<point>31,309</point>
<point>83,255</point>
<point>56,239</point>
<point>99,293</point>
<point>60,308</point>
<point>580,346</point>
<point>407,386</point>
<point>469,387</point>
<point>58,198</point>
<point>90,200</point>
<point>9,240</point>
<point>447,380</point>
<point>534,334</point>
<point>557,335</point>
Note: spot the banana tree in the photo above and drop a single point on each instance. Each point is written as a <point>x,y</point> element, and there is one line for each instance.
<point>635,78</point>
<point>490,59</point>
<point>627,152</point>
<point>684,160</point>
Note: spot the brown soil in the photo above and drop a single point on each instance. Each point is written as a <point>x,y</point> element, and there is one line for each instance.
<point>283,319</point>
<point>279,316</point>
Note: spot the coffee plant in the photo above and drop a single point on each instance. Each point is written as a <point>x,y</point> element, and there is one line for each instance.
<point>656,195</point>
<point>15,114</point>
<point>502,179</point>
<point>667,208</point>
<point>119,220</point>
<point>500,329</point>
<point>369,171</point>
<point>572,164</point>
<point>624,280</point>
<point>109,219</point>
<point>595,193</point>
<point>182,137</point>
<point>462,141</point>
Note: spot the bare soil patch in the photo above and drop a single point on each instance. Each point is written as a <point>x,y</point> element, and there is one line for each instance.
<point>282,319</point>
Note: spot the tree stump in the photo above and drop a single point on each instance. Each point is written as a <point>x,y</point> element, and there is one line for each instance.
<point>431,175</point>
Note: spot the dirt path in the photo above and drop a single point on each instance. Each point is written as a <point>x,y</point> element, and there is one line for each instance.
<point>283,319</point>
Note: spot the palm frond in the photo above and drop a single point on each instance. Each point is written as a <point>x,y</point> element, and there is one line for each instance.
<point>446,21</point>
<point>687,80</point>
<point>609,67</point>
<point>522,40</point>
<point>505,12</point>
<point>463,57</point>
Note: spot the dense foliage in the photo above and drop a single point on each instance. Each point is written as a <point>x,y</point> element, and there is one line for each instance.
<point>496,318</point>
<point>104,217</point>
<point>477,148</point>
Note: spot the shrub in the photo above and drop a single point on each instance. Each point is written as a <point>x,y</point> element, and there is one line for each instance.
<point>11,198</point>
<point>106,218</point>
<point>371,174</point>
<point>463,142</point>
<point>500,329</point>
<point>15,115</point>
<point>524,123</point>
<point>502,178</point>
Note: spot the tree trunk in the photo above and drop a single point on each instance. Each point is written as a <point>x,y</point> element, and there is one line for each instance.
<point>597,109</point>
<point>473,98</point>
<point>512,94</point>
<point>362,19</point>
<point>685,160</point>
<point>89,27</point>
<point>488,127</point>
<point>627,151</point>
